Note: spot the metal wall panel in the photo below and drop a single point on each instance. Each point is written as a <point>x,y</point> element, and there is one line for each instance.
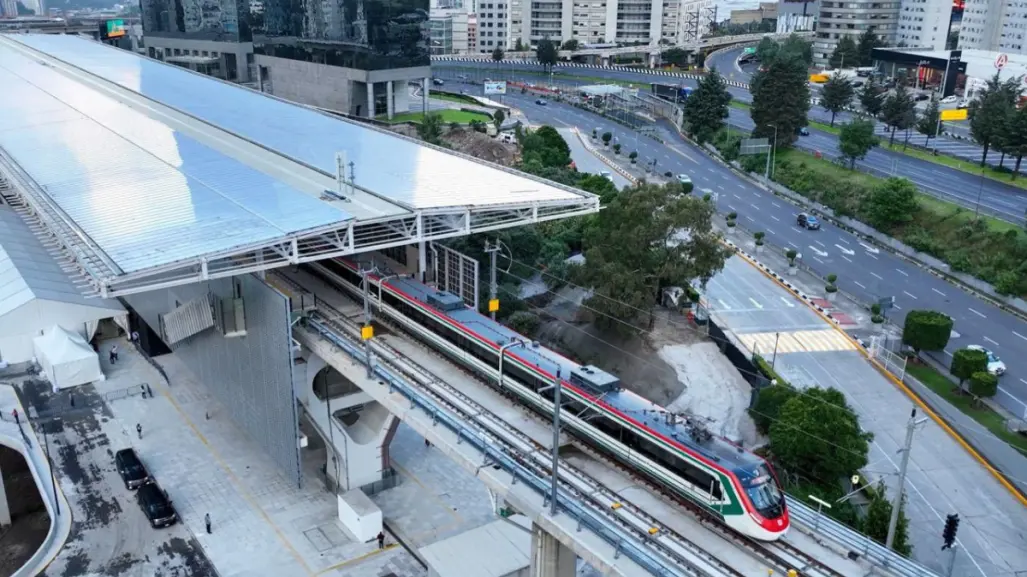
<point>251,375</point>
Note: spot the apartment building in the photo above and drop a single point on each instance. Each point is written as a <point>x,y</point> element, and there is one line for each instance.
<point>502,23</point>
<point>449,31</point>
<point>997,25</point>
<point>852,18</point>
<point>797,16</point>
<point>924,23</point>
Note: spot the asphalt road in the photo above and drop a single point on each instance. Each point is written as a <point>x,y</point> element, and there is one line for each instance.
<point>996,198</point>
<point>863,271</point>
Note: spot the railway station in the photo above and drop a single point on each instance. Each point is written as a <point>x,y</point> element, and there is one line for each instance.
<point>283,254</point>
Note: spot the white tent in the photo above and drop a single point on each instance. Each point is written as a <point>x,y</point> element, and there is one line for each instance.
<point>66,358</point>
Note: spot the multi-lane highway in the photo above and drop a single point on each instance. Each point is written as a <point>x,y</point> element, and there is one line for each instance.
<point>866,272</point>
<point>994,197</point>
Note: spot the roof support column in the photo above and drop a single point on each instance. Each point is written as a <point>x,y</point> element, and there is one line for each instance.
<point>422,260</point>
<point>390,105</point>
<point>550,557</point>
<point>370,99</point>
<point>5,509</point>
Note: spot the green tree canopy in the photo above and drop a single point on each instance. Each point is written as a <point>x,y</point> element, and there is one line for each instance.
<point>991,111</point>
<point>846,53</point>
<point>929,124</point>
<point>571,44</point>
<point>899,111</point>
<point>865,47</point>
<point>1016,138</point>
<point>498,117</point>
<point>497,54</point>
<point>817,435</point>
<point>780,98</point>
<point>546,53</point>
<point>892,203</point>
<point>926,330</point>
<point>983,384</point>
<point>648,238</point>
<point>836,94</point>
<point>871,98</point>
<point>545,146</point>
<point>769,402</point>
<point>430,128</point>
<point>798,46</point>
<point>518,46</point>
<point>878,517</point>
<point>766,50</point>
<point>707,107</point>
<point>966,362</point>
<point>856,139</point>
<point>676,56</point>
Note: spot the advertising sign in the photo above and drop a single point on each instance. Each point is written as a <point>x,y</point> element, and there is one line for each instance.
<point>1001,61</point>
<point>495,87</point>
<point>112,29</point>
<point>954,114</point>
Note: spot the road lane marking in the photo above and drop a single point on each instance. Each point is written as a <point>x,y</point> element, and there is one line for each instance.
<point>844,241</point>
<point>1023,381</point>
<point>877,275</point>
<point>845,250</point>
<point>909,295</point>
<point>1019,335</point>
<point>793,244</point>
<point>872,256</point>
<point>847,258</point>
<point>948,353</point>
<point>723,305</point>
<point>788,302</point>
<point>733,209</point>
<point>775,204</point>
<point>938,291</point>
<point>755,303</point>
<point>870,249</point>
<point>902,272</point>
<point>775,218</point>
<point>897,307</point>
<point>982,316</point>
<point>991,341</point>
<point>818,260</point>
<point>820,243</point>
<point>754,206</point>
<point>859,285</point>
<point>750,218</point>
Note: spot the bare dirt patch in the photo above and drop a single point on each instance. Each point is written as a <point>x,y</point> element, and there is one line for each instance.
<point>471,143</point>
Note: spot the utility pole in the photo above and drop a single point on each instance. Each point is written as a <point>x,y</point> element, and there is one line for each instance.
<point>493,288</point>
<point>367,331</point>
<point>911,427</point>
<point>556,441</point>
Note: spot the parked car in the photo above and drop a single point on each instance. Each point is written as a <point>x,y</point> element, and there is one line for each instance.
<point>437,81</point>
<point>684,179</point>
<point>995,364</point>
<point>540,102</point>
<point>922,97</point>
<point>607,175</point>
<point>131,469</point>
<point>156,506</point>
<point>461,77</point>
<point>950,99</point>
<point>808,221</point>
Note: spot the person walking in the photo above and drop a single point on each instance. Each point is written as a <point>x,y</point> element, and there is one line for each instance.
<point>206,521</point>
<point>17,419</point>
<point>427,443</point>
<point>139,430</point>
<point>114,354</point>
<point>381,539</point>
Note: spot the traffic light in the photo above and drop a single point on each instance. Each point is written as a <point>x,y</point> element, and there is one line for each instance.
<point>949,534</point>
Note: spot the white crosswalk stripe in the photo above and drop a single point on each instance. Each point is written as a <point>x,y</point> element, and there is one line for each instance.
<point>797,342</point>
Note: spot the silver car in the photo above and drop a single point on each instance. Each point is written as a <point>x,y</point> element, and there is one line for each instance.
<point>995,364</point>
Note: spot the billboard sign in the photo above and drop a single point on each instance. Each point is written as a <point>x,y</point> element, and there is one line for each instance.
<point>112,29</point>
<point>954,114</point>
<point>495,87</point>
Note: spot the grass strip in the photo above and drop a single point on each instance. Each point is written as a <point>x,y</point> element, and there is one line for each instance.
<point>946,389</point>
<point>960,164</point>
<point>448,115</point>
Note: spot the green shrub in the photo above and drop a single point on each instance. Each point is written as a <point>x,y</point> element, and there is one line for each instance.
<point>767,407</point>
<point>966,362</point>
<point>983,384</point>
<point>927,330</point>
<point>524,322</point>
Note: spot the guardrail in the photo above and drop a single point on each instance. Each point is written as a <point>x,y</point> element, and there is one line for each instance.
<point>587,519</point>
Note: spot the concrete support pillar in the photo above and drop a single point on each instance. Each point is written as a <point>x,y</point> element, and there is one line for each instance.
<point>605,61</point>
<point>370,99</point>
<point>549,557</point>
<point>422,260</point>
<point>390,105</point>
<point>424,94</point>
<point>5,508</point>
<point>652,60</point>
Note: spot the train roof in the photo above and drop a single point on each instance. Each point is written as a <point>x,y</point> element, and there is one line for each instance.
<point>681,429</point>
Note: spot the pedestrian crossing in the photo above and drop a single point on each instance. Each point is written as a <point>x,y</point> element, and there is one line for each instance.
<point>822,340</point>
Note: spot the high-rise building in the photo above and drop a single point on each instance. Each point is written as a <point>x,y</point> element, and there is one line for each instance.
<point>501,23</point>
<point>797,16</point>
<point>924,23</point>
<point>997,25</point>
<point>8,8</point>
<point>852,18</point>
<point>210,36</point>
<point>449,31</point>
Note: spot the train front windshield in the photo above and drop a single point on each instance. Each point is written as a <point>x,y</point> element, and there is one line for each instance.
<point>765,494</point>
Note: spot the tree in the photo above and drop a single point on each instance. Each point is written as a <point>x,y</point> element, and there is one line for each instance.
<point>546,53</point>
<point>846,52</point>
<point>865,47</point>
<point>769,401</point>
<point>926,330</point>
<point>983,384</point>
<point>892,203</point>
<point>878,517</point>
<point>571,44</point>
<point>799,47</point>
<point>646,239</point>
<point>430,128</point>
<point>607,137</point>
<point>991,111</point>
<point>836,94</point>
<point>524,322</point>
<point>707,107</point>
<point>633,156</point>
<point>1016,137</point>
<point>780,99</point>
<point>498,117</point>
<point>817,434</point>
<point>766,50</point>
<point>871,98</point>
<point>899,111</point>
<point>545,147</point>
<point>966,362</point>
<point>929,123</point>
<point>518,46</point>
<point>856,139</point>
<point>676,57</point>
<point>616,148</point>
<point>497,54</point>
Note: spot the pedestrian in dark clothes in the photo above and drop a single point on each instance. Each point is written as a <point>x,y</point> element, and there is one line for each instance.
<point>206,521</point>
<point>427,443</point>
<point>139,430</point>
<point>114,354</point>
<point>17,419</point>
<point>381,539</point>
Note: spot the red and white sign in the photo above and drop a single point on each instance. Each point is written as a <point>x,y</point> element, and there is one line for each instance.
<point>1001,61</point>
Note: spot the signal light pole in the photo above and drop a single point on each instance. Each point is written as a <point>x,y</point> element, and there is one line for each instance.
<point>911,427</point>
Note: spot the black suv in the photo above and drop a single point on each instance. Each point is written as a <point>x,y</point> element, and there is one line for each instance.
<point>156,506</point>
<point>808,221</point>
<point>131,469</point>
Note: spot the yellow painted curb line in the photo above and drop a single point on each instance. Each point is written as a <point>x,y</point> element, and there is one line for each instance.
<point>909,392</point>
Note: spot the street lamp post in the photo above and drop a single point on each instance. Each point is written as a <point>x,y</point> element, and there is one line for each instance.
<point>502,355</point>
<point>980,191</point>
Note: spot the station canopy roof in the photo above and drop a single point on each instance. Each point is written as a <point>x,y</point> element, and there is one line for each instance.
<point>150,175</point>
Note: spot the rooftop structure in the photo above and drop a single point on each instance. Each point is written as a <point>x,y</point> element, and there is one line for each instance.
<point>151,176</point>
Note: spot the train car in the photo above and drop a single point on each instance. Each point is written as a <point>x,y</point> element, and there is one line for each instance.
<point>733,485</point>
